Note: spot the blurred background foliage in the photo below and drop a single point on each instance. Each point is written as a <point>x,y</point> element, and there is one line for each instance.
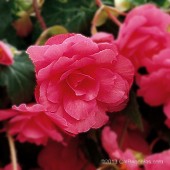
<point>75,16</point>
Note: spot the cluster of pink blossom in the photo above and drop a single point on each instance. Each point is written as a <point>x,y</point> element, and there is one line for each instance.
<point>82,81</point>
<point>128,158</point>
<point>145,39</point>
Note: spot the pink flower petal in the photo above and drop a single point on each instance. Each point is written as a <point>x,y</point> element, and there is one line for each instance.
<point>77,108</point>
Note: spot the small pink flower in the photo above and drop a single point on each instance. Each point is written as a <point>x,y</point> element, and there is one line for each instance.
<point>79,80</point>
<point>59,157</point>
<point>31,124</point>
<point>110,144</point>
<point>132,137</point>
<point>6,56</point>
<point>144,33</point>
<point>158,161</point>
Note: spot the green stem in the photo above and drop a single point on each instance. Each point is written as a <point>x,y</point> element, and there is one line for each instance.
<point>123,133</point>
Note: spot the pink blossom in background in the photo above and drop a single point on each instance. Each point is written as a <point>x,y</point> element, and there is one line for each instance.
<point>103,37</point>
<point>10,167</point>
<point>55,156</point>
<point>23,25</point>
<point>31,124</point>
<point>6,56</point>
<point>79,80</point>
<point>132,136</point>
<point>158,161</point>
<point>110,144</point>
<point>154,87</point>
<point>166,110</point>
<point>144,33</point>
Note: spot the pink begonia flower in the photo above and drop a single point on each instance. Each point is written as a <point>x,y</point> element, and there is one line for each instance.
<point>6,56</point>
<point>102,37</point>
<point>154,87</point>
<point>110,144</point>
<point>59,157</point>
<point>31,124</point>
<point>10,167</point>
<point>167,113</point>
<point>158,161</point>
<point>79,80</point>
<point>132,137</point>
<point>144,33</point>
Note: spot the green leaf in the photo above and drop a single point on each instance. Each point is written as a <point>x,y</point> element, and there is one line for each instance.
<point>132,111</point>
<point>76,16</point>
<point>108,2</point>
<point>18,79</point>
<point>20,5</point>
<point>100,17</point>
<point>91,151</point>
<point>161,3</point>
<point>5,102</point>
<point>137,2</point>
<point>5,15</point>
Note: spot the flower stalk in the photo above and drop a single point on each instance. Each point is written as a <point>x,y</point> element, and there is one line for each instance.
<point>12,151</point>
<point>110,15</point>
<point>38,15</point>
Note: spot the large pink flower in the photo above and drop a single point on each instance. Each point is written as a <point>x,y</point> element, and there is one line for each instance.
<point>58,157</point>
<point>144,33</point>
<point>31,124</point>
<point>6,56</point>
<point>79,80</point>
